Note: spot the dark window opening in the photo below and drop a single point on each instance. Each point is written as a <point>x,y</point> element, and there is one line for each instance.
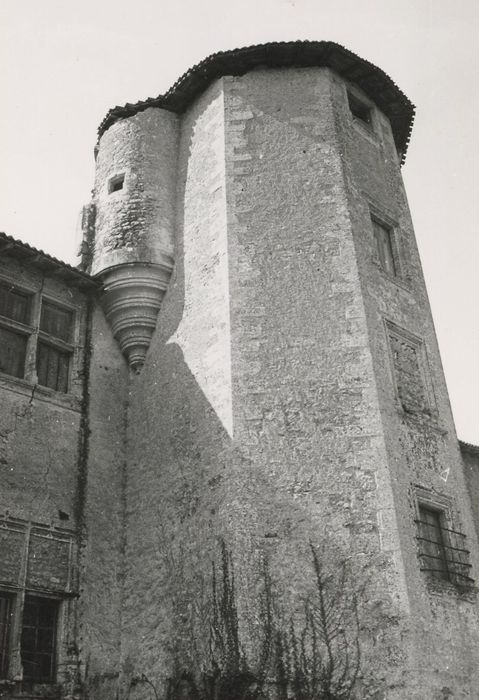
<point>14,304</point>
<point>116,183</point>
<point>359,109</point>
<point>53,367</point>
<point>13,348</point>
<point>5,621</point>
<point>39,639</point>
<point>442,550</point>
<point>383,236</point>
<point>56,321</point>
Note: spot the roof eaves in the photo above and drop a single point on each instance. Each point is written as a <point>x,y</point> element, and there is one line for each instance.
<point>469,447</point>
<point>26,253</point>
<point>375,83</point>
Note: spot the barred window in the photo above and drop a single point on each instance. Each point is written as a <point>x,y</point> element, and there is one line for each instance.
<point>442,551</point>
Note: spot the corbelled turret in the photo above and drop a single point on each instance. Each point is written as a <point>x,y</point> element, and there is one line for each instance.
<point>134,198</point>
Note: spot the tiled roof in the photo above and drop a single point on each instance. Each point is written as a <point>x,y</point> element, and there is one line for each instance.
<point>375,83</point>
<point>468,447</point>
<point>25,253</point>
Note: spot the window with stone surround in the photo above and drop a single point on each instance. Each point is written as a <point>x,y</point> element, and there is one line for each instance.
<point>442,550</point>
<point>385,247</point>
<point>36,327</point>
<point>360,110</point>
<point>410,370</point>
<point>38,577</point>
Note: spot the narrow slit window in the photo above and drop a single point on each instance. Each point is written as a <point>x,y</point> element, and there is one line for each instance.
<point>5,621</point>
<point>116,183</point>
<point>384,245</point>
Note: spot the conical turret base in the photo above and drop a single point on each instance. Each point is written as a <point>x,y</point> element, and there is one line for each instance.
<point>131,299</point>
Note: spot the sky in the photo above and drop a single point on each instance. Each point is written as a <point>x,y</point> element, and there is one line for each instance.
<point>64,64</point>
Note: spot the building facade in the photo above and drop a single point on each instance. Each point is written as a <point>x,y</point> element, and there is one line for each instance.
<point>245,355</point>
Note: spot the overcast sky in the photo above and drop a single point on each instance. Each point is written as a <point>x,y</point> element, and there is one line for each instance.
<point>65,63</point>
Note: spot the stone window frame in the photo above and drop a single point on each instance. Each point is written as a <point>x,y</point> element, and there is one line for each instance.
<point>18,588</point>
<point>400,333</point>
<point>113,180</point>
<point>458,570</point>
<point>35,334</point>
<point>368,129</point>
<point>378,215</point>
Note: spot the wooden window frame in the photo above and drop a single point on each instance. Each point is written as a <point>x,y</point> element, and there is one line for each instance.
<point>14,651</point>
<point>36,336</point>
<point>40,651</point>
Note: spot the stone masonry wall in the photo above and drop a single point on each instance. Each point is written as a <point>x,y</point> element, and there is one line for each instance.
<point>136,222</point>
<point>470,458</point>
<point>103,510</point>
<point>423,455</point>
<point>179,417</point>
<point>310,464</point>
<point>39,471</point>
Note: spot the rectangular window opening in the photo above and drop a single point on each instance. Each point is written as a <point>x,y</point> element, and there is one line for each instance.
<point>56,321</point>
<point>360,110</point>
<point>13,349</point>
<point>6,603</point>
<point>38,641</point>
<point>14,304</point>
<point>442,550</point>
<point>116,183</point>
<point>383,236</point>
<point>52,367</point>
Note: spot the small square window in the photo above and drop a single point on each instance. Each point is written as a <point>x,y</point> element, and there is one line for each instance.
<point>116,183</point>
<point>384,245</point>
<point>360,110</point>
<point>39,639</point>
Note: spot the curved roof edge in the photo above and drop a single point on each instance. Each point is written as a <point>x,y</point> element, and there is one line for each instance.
<point>469,447</point>
<point>300,54</point>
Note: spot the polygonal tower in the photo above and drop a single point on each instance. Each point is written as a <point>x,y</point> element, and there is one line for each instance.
<point>291,389</point>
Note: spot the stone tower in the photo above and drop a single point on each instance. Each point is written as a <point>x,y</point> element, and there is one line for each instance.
<point>288,386</point>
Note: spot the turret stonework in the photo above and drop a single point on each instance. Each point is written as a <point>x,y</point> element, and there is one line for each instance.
<point>252,259</point>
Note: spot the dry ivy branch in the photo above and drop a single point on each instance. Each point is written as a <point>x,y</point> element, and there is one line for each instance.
<point>315,657</point>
